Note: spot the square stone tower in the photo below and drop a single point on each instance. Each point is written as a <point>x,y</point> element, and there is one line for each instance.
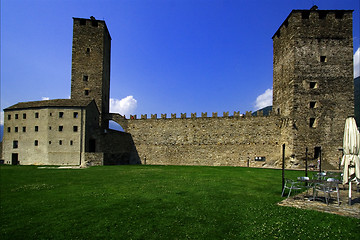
<point>90,73</point>
<point>313,82</point>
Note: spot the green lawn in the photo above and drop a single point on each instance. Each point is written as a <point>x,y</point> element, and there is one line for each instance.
<point>157,202</point>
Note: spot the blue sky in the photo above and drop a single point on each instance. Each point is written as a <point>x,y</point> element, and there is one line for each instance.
<point>174,56</point>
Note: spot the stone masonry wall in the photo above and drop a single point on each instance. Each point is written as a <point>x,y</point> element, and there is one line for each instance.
<point>217,141</point>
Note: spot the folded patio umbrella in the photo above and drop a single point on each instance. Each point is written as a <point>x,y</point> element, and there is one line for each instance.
<point>351,147</point>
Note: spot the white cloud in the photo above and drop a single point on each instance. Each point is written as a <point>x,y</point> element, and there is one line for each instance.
<point>45,98</point>
<point>124,106</point>
<point>357,63</point>
<point>264,99</point>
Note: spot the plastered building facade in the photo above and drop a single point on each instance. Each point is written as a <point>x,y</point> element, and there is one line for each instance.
<point>313,95</point>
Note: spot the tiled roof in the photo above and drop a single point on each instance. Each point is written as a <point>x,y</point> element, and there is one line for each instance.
<point>50,103</point>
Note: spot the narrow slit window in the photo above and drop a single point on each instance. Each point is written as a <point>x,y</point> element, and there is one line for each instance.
<point>312,104</point>
<point>71,142</point>
<point>323,59</point>
<point>9,129</point>
<point>312,122</point>
<point>16,116</point>
<point>61,128</point>
<point>87,50</point>
<point>60,142</point>
<point>24,115</point>
<point>313,85</point>
<point>36,128</point>
<point>24,129</point>
<point>36,143</point>
<point>86,92</point>
<point>16,129</point>
<point>36,115</point>
<point>85,78</point>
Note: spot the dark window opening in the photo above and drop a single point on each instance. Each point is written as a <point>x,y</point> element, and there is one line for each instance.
<point>92,145</point>
<point>36,115</point>
<point>50,114</point>
<point>16,129</point>
<point>312,122</point>
<point>312,104</point>
<point>71,142</point>
<point>16,116</point>
<point>24,129</point>
<point>94,23</point>
<point>61,114</point>
<point>9,117</point>
<point>305,15</point>
<point>313,85</point>
<point>24,115</point>
<point>36,128</point>
<point>322,15</point>
<point>15,144</point>
<point>85,78</point>
<point>9,129</point>
<point>49,127</point>
<point>49,142</point>
<point>82,22</point>
<point>76,114</point>
<point>75,128</point>
<point>36,143</point>
<point>86,92</point>
<point>60,142</point>
<point>323,59</point>
<point>317,152</point>
<point>61,128</point>
<point>87,50</point>
<point>339,15</point>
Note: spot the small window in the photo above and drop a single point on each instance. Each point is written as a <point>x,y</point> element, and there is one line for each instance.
<point>312,104</point>
<point>86,92</point>
<point>94,23</point>
<point>339,15</point>
<point>61,114</point>
<point>50,114</point>
<point>24,129</point>
<point>85,78</point>
<point>323,59</point>
<point>15,144</point>
<point>312,123</point>
<point>9,117</point>
<point>36,143</point>
<point>82,21</point>
<point>49,142</point>
<point>322,15</point>
<point>49,127</point>
<point>60,142</point>
<point>75,128</point>
<point>16,116</point>
<point>36,128</point>
<point>87,50</point>
<point>9,129</point>
<point>16,129</point>
<point>71,142</point>
<point>61,128</point>
<point>76,114</point>
<point>305,15</point>
<point>24,115</point>
<point>36,115</point>
<point>313,85</point>
<point>317,152</point>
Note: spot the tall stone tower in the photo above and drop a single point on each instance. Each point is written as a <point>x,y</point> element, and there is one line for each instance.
<point>313,82</point>
<point>90,73</point>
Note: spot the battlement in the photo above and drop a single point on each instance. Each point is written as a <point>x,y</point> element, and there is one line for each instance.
<point>312,19</point>
<point>247,114</point>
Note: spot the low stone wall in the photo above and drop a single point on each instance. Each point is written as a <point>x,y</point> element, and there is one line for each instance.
<point>92,159</point>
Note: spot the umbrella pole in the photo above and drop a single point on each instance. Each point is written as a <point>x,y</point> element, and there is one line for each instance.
<point>350,192</point>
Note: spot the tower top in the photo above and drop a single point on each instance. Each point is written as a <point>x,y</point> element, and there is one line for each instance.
<point>312,14</point>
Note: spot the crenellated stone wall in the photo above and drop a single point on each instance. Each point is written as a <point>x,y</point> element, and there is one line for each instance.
<point>238,140</point>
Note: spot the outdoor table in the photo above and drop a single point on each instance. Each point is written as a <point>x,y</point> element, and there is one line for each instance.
<point>313,182</point>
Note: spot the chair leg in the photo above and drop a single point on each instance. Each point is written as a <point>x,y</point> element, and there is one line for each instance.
<point>338,197</point>
<point>289,193</point>
<point>282,194</point>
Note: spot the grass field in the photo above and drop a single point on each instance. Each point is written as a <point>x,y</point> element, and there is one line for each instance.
<point>157,202</point>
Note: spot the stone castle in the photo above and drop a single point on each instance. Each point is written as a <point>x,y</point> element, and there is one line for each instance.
<point>313,94</point>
